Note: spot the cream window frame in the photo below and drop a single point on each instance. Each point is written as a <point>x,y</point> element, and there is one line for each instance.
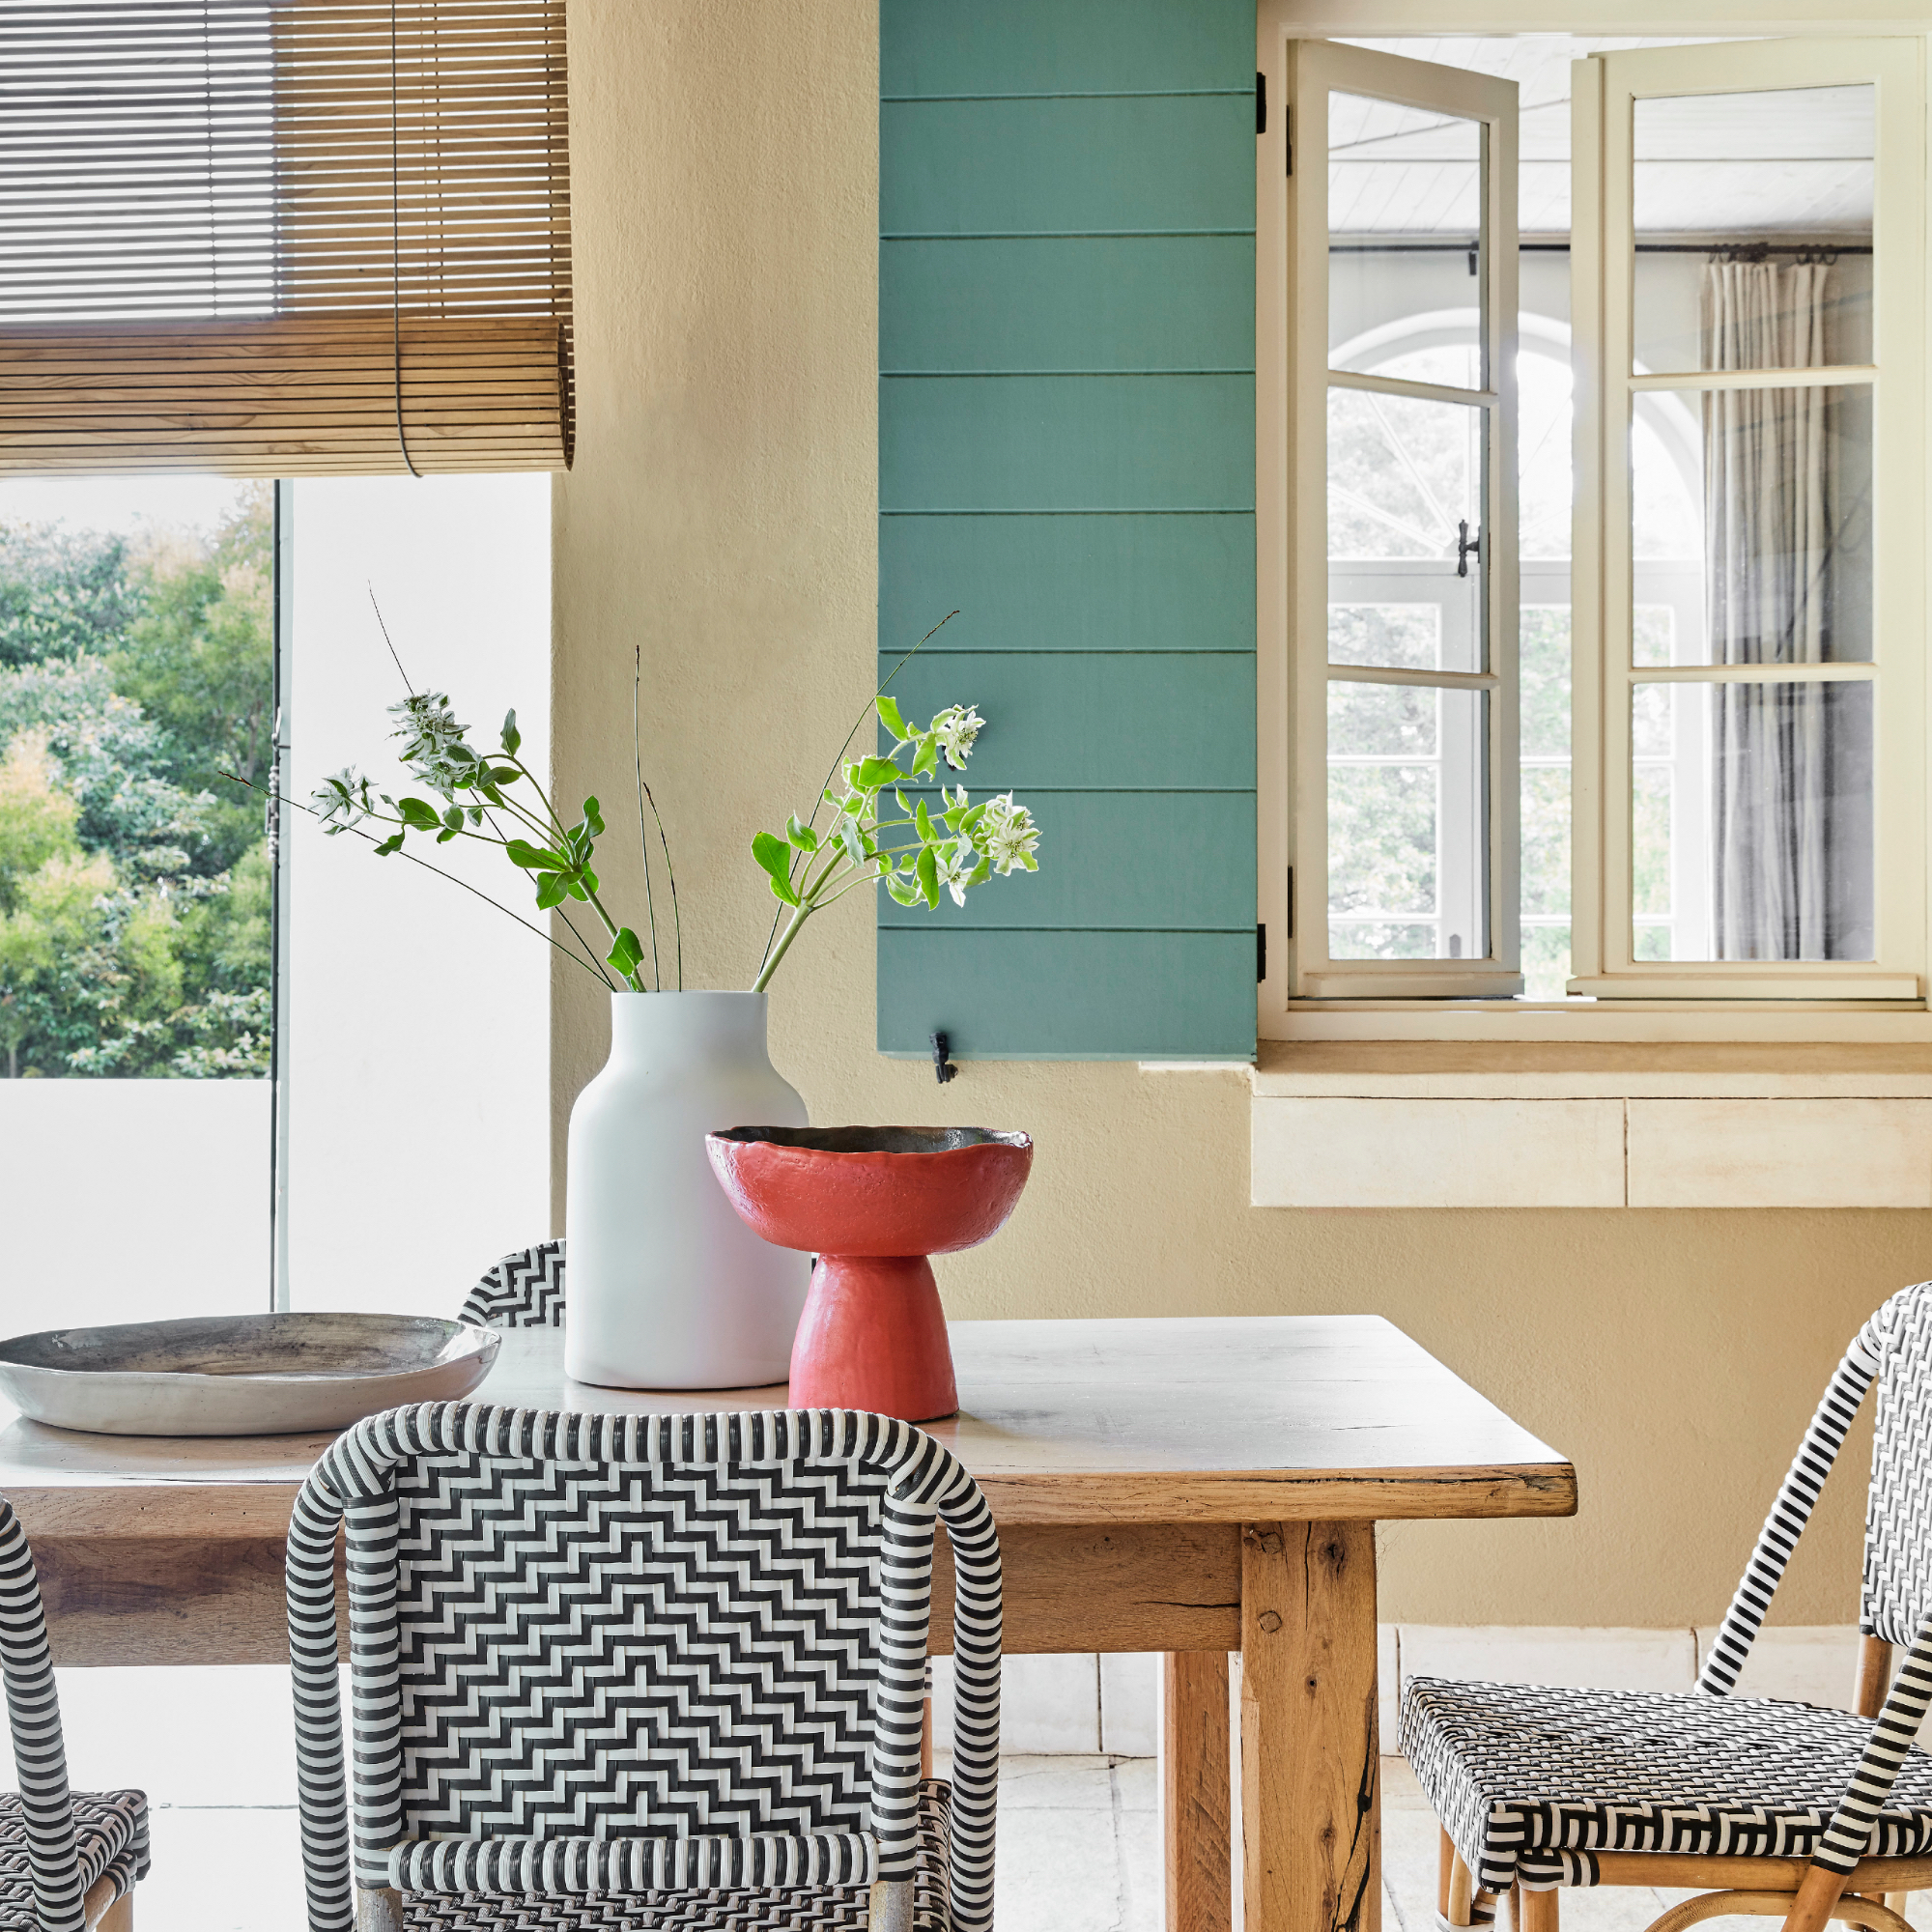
<point>1625,1016</point>
<point>1313,69</point>
<point>1604,92</point>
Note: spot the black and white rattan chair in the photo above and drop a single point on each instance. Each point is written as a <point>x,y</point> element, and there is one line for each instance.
<point>1794,1812</point>
<point>68,1860</point>
<point>642,1671</point>
<point>521,1291</point>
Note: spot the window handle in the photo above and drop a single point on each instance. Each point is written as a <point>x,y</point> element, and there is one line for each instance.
<point>1466,547</point>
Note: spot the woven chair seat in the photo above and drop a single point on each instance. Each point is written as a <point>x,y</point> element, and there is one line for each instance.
<point>111,1839</point>
<point>829,1908</point>
<point>1529,1781</point>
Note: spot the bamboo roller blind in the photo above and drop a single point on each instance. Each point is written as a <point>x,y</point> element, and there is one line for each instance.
<point>282,238</point>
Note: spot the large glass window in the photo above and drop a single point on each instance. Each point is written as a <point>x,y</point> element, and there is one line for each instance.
<point>135,689</point>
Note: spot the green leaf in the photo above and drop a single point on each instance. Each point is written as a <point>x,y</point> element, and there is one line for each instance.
<point>890,717</point>
<point>453,818</point>
<point>420,814</point>
<point>503,774</point>
<point>583,882</point>
<point>551,891</point>
<point>775,856</point>
<point>853,806</point>
<point>899,800</point>
<point>626,952</point>
<point>801,834</point>
<point>392,844</point>
<point>922,824</point>
<point>927,868</point>
<point>904,893</point>
<point>443,836</point>
<point>870,774</point>
<point>973,814</point>
<point>981,872</point>
<point>521,852</point>
<point>512,737</point>
<point>926,758</point>
<point>593,821</point>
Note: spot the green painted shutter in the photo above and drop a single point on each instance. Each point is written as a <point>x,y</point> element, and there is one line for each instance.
<point>1066,454</point>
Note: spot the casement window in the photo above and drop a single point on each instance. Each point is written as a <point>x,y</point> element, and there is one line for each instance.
<point>1658,736</point>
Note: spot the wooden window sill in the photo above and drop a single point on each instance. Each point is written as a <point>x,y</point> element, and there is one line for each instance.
<point>1396,1124</point>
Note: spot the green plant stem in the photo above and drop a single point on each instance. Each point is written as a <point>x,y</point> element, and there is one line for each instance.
<point>282,799</point>
<point>644,835</point>
<point>765,960</point>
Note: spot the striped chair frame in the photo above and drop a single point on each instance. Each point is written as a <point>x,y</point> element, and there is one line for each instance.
<point>352,1486</point>
<point>63,1899</point>
<point>519,1291</point>
<point>1894,1350</point>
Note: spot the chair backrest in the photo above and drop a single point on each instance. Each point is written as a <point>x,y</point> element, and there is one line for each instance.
<point>39,1753</point>
<point>628,1653</point>
<point>521,1291</point>
<point>1898,1506</point>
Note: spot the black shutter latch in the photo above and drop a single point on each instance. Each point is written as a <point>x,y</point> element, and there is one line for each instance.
<point>941,1064</point>
<point>1260,953</point>
<point>1260,103</point>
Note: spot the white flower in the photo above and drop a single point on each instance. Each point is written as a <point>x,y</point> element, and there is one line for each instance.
<point>955,727</point>
<point>957,863</point>
<point>1007,834</point>
<point>342,800</point>
<point>428,729</point>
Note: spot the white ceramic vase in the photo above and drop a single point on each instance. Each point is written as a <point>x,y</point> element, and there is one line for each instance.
<point>667,1287</point>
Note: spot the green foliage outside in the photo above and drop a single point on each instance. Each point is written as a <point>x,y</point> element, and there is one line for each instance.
<point>135,878</point>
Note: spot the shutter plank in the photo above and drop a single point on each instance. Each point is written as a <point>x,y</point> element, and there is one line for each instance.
<point>1068,995</point>
<point>1119,164</point>
<point>1073,443</point>
<point>1118,582</point>
<point>1114,858</point>
<point>1088,719</point>
<point>1085,305</point>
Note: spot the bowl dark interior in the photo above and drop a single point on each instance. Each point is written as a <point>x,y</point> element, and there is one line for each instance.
<point>876,1140</point>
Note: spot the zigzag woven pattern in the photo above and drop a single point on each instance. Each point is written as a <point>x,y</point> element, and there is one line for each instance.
<point>639,1651</point>
<point>1898,1507</point>
<point>1517,1773</point>
<point>54,1844</point>
<point>110,1842</point>
<point>521,1291</point>
<point>839,1908</point>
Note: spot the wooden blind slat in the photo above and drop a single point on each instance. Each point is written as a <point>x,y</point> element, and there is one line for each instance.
<point>219,216</point>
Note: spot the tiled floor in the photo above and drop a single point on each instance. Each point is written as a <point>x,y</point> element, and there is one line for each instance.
<point>1079,1836</point>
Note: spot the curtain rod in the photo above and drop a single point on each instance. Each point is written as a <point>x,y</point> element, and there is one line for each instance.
<point>1643,247</point>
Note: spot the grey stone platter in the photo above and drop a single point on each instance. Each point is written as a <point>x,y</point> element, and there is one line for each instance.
<point>241,1375</point>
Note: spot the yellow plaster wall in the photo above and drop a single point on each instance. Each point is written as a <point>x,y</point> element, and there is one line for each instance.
<point>721,518</point>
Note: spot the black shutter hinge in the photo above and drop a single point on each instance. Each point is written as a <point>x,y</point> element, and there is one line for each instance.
<point>942,1064</point>
<point>1288,138</point>
<point>1260,953</point>
<point>1260,103</point>
<point>1290,901</point>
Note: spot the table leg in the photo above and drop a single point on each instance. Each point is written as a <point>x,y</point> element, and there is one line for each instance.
<point>1194,1770</point>
<point>1311,1805</point>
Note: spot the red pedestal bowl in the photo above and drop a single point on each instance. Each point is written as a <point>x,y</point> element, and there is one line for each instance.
<point>873,1202</point>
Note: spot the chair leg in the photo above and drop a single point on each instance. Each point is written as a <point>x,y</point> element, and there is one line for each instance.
<point>1461,1890</point>
<point>1445,1866</point>
<point>103,1912</point>
<point>1540,1910</point>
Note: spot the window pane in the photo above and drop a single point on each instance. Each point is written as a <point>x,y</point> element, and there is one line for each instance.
<point>418,1015</point>
<point>1785,180</point>
<point>1406,493</point>
<point>1751,821</point>
<point>1779,541</point>
<point>135,947</point>
<point>1544,654</point>
<point>1409,172</point>
<point>1407,835</point>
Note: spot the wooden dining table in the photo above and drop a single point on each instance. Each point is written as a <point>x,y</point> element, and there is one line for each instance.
<point>1194,1486</point>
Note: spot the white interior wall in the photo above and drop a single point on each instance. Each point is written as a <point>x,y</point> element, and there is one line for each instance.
<point>418,1021</point>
